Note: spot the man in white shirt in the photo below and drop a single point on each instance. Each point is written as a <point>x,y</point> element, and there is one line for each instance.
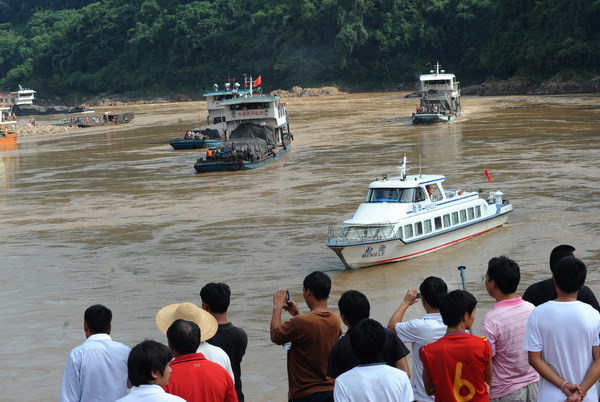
<point>562,339</point>
<point>421,331</point>
<point>96,371</point>
<point>149,372</point>
<point>372,380</point>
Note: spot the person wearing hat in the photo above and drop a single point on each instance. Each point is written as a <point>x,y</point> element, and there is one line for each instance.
<point>193,377</point>
<point>208,328</point>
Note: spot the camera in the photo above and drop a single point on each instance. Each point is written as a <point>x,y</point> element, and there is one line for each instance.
<point>287,296</point>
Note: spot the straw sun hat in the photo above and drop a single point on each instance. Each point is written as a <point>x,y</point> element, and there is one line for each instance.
<point>189,312</point>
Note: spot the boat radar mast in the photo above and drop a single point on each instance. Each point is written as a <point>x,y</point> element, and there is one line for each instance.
<point>403,169</point>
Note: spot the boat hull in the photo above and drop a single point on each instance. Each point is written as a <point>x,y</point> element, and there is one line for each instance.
<point>366,254</point>
<point>195,144</point>
<point>432,118</point>
<point>234,165</point>
<point>8,141</point>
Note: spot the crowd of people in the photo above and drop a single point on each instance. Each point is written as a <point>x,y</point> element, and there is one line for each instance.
<point>543,346</point>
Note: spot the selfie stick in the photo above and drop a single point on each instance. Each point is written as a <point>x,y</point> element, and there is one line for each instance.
<point>462,276</point>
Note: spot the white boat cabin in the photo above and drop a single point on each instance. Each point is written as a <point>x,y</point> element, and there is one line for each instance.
<point>262,110</point>
<point>215,98</point>
<point>437,80</point>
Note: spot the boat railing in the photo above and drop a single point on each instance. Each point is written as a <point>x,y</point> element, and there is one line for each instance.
<point>349,234</point>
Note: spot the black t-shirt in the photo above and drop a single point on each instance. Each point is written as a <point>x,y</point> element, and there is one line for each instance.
<point>341,358</point>
<point>544,291</point>
<point>233,340</point>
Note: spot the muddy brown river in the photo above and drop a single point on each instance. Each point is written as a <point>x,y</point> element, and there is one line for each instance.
<point>115,216</point>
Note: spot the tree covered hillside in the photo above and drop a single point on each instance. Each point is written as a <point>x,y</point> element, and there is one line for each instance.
<point>115,46</point>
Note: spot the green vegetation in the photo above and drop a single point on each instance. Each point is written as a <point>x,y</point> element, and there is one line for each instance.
<point>62,47</point>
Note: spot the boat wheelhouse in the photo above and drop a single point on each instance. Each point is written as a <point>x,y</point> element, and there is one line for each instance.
<point>411,215</point>
<point>440,97</point>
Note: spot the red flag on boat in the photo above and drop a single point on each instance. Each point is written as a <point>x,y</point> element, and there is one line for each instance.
<point>487,174</point>
<point>258,81</point>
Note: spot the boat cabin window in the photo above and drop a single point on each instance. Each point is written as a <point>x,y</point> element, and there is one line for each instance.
<point>250,106</point>
<point>427,225</point>
<point>471,213</point>
<point>463,216</point>
<point>418,228</point>
<point>477,211</point>
<point>438,83</point>
<point>434,192</point>
<point>219,119</point>
<point>455,220</point>
<point>446,221</point>
<point>408,231</point>
<point>438,223</point>
<point>403,195</point>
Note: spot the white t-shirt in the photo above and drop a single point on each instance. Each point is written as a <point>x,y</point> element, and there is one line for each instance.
<point>421,332</point>
<point>217,355</point>
<point>564,332</point>
<point>373,383</point>
<point>150,393</point>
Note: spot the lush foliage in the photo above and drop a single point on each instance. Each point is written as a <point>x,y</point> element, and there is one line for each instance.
<point>113,46</point>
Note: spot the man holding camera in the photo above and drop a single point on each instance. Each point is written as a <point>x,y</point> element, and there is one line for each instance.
<point>312,336</point>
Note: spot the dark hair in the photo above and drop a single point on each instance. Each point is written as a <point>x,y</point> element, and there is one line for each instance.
<point>319,284</point>
<point>433,290</point>
<point>367,339</point>
<point>184,336</point>
<point>98,318</point>
<point>144,358</point>
<point>217,296</point>
<point>558,252</point>
<point>569,274</point>
<point>354,306</point>
<point>454,306</point>
<point>505,272</point>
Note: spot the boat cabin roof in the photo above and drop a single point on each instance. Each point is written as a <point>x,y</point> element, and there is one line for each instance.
<point>226,92</point>
<point>255,99</point>
<point>411,181</point>
<point>433,77</point>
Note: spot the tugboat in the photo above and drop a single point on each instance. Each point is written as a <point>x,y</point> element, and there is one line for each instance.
<point>260,134</point>
<point>411,215</point>
<point>440,98</point>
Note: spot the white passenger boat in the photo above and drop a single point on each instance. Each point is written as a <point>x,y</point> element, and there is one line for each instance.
<point>440,98</point>
<point>411,215</point>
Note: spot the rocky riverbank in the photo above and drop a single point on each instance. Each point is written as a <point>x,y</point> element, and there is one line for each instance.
<point>30,130</point>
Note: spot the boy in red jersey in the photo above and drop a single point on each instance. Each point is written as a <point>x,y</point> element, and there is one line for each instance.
<point>458,367</point>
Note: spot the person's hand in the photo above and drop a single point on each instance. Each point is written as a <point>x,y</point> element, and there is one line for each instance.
<point>576,396</point>
<point>573,392</point>
<point>411,297</point>
<point>292,308</point>
<point>279,299</point>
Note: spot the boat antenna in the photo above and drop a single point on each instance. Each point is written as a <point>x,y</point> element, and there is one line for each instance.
<point>403,168</point>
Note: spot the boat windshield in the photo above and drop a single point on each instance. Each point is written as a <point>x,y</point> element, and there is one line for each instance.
<point>402,195</point>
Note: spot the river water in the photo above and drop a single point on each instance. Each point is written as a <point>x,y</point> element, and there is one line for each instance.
<point>114,216</point>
